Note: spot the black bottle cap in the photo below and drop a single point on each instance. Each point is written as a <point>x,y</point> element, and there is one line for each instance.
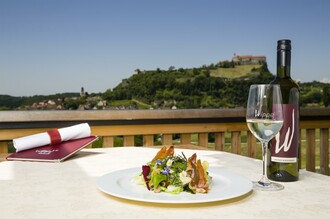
<point>284,44</point>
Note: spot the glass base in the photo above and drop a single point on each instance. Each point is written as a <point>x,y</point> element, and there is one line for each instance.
<point>271,186</point>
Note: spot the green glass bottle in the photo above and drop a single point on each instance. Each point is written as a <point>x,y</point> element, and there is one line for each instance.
<point>284,147</point>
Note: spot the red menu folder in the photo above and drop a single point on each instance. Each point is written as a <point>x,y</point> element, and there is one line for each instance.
<point>53,153</point>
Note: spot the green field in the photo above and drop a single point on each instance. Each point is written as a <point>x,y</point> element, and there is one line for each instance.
<point>139,104</point>
<point>238,71</point>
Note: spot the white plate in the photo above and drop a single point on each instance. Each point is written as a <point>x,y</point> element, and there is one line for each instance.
<point>225,185</point>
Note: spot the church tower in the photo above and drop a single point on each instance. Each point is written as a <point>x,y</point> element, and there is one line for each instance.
<point>82,92</point>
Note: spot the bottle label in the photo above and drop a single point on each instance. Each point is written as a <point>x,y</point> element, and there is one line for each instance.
<point>284,147</point>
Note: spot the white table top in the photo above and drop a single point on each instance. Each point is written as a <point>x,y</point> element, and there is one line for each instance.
<point>68,189</point>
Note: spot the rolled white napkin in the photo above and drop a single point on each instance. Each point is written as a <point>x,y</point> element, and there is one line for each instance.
<point>69,133</point>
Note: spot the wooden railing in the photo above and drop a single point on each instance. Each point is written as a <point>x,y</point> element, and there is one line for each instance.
<point>226,126</point>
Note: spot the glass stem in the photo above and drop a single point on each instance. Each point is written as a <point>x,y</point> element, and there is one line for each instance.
<point>264,180</point>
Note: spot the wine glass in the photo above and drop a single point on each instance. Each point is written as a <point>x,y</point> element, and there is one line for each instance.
<point>264,117</point>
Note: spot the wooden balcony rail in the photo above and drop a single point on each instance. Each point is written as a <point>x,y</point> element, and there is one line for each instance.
<point>211,129</point>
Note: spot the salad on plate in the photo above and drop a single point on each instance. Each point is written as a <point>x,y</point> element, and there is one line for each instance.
<point>174,174</point>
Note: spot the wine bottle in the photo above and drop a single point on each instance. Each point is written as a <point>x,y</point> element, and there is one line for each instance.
<point>284,147</point>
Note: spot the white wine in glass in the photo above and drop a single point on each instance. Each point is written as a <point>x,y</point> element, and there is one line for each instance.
<point>264,117</point>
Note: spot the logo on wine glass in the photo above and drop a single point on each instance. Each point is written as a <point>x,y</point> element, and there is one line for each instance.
<point>262,115</point>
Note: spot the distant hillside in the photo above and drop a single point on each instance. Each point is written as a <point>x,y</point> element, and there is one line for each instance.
<point>210,86</point>
<point>225,84</point>
<point>9,102</point>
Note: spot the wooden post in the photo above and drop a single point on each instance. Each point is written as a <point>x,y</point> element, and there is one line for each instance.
<point>148,140</point>
<point>324,151</point>
<point>108,141</point>
<point>167,139</point>
<point>236,142</point>
<point>252,145</point>
<point>203,140</point>
<point>129,140</point>
<point>3,147</point>
<point>219,141</point>
<point>310,150</point>
<point>299,149</point>
<point>185,139</point>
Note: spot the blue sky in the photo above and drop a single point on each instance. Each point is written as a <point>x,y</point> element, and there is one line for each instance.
<point>55,46</point>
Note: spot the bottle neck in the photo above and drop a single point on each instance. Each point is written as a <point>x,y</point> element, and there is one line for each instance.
<point>283,63</point>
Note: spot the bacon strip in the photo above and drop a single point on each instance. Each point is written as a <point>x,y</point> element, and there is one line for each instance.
<point>196,171</point>
<point>164,152</point>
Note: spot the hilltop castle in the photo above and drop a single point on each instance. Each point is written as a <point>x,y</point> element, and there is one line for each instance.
<point>248,59</point>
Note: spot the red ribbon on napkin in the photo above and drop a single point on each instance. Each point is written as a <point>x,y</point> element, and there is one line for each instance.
<point>55,137</point>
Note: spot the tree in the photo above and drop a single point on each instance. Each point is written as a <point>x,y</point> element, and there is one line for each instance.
<point>108,95</point>
<point>227,64</point>
<point>195,71</point>
<point>73,104</point>
<point>326,95</point>
<point>313,96</point>
<point>210,102</point>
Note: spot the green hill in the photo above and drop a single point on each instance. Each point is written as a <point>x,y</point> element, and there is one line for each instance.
<point>204,87</point>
